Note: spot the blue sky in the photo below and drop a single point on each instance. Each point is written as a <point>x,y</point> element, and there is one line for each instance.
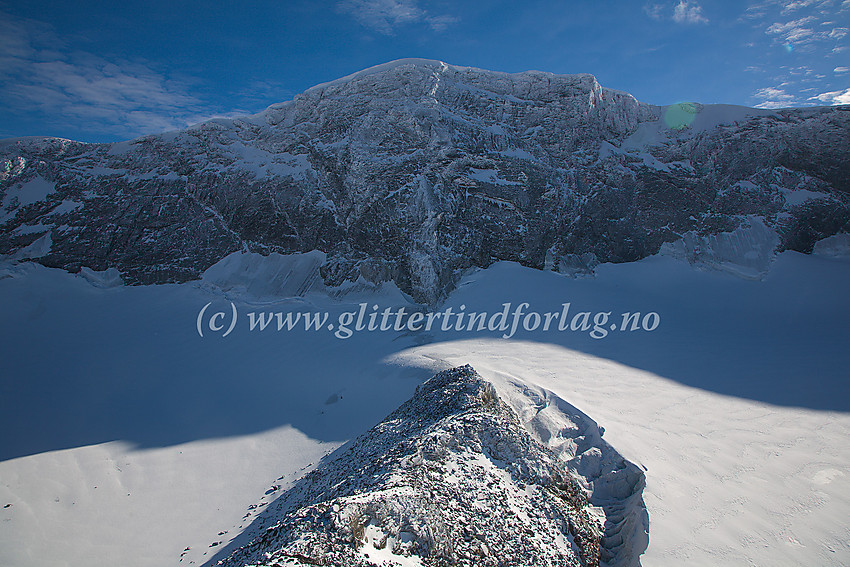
<point>106,71</point>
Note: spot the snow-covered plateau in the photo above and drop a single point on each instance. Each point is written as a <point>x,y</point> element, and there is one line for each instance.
<point>131,440</point>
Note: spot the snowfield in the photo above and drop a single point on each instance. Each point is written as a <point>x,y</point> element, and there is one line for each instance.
<point>130,440</point>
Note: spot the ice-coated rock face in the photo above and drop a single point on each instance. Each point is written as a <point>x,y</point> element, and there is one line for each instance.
<point>414,171</point>
<point>453,477</point>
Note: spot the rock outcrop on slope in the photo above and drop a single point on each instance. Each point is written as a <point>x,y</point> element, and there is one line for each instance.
<point>415,171</point>
<point>453,477</point>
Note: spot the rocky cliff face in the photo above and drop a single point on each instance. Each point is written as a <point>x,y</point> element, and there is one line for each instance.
<point>453,477</point>
<point>415,171</point>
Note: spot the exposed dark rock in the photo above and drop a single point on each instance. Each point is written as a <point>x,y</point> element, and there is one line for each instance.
<point>416,171</point>
<point>450,478</point>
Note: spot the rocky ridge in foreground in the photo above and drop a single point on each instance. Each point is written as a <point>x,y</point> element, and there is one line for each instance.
<point>454,478</point>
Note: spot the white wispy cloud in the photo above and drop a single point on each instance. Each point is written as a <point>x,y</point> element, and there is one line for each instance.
<point>841,70</point>
<point>789,7</point>
<point>654,11</point>
<point>834,97</point>
<point>688,13</point>
<point>810,33</point>
<point>39,74</point>
<point>774,97</point>
<point>385,16</point>
<point>440,23</point>
<point>813,21</point>
<point>685,12</point>
<point>795,31</point>
<point>806,30</point>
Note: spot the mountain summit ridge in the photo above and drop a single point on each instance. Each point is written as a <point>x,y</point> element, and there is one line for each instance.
<point>416,171</point>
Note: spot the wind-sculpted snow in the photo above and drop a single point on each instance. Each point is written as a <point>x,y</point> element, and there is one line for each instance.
<point>453,477</point>
<point>415,171</point>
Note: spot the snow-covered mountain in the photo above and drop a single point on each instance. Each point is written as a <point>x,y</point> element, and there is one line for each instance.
<point>415,170</point>
<point>453,477</point>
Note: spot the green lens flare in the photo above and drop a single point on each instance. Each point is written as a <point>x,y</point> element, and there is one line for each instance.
<point>680,115</point>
